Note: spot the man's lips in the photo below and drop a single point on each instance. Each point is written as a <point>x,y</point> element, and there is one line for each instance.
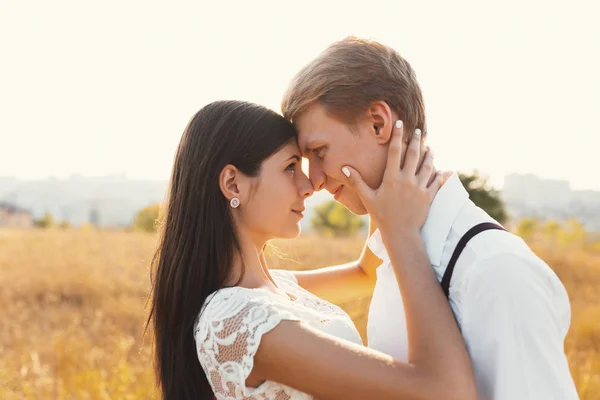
<point>337,191</point>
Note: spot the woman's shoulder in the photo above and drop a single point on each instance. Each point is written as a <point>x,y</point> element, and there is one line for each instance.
<point>231,304</point>
<point>229,331</point>
<point>281,275</point>
<point>230,301</point>
<point>236,306</point>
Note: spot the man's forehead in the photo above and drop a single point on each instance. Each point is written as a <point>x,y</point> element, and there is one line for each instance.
<point>313,130</point>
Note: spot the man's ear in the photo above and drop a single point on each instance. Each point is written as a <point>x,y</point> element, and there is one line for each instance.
<point>229,182</point>
<point>382,120</point>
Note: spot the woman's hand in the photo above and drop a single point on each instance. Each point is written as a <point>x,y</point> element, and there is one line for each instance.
<point>401,203</point>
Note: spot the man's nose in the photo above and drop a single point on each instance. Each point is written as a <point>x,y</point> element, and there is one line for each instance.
<point>316,176</point>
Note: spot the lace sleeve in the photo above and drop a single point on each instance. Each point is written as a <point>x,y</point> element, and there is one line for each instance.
<point>228,334</point>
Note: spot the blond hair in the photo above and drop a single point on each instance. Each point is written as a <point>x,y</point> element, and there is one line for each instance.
<point>351,74</point>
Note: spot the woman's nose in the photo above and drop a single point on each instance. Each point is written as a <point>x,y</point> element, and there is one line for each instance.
<point>306,187</point>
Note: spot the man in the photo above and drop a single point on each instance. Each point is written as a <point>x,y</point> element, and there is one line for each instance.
<point>512,309</point>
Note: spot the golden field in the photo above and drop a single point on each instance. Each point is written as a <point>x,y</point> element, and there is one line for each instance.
<point>73,309</point>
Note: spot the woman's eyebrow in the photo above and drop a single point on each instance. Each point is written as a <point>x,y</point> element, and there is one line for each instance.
<point>295,156</point>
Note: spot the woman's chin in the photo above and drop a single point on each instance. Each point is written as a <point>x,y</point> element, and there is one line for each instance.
<point>292,233</point>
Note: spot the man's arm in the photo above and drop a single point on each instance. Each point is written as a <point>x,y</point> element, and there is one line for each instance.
<point>341,283</point>
<point>515,315</point>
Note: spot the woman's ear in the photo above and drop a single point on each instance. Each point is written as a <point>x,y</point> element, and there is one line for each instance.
<point>229,182</point>
<point>380,115</point>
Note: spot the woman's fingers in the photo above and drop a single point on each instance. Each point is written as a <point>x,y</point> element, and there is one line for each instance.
<point>411,160</point>
<point>436,184</point>
<point>395,151</point>
<point>356,182</point>
<point>427,170</point>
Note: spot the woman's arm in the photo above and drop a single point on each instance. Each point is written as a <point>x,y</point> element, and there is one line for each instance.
<point>438,366</point>
<point>329,368</point>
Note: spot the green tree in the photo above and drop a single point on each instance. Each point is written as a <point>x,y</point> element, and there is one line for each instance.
<point>333,219</point>
<point>64,225</point>
<point>484,196</point>
<point>47,221</point>
<point>575,234</point>
<point>552,232</point>
<point>146,219</point>
<point>527,228</point>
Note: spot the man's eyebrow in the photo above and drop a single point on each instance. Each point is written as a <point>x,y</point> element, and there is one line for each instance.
<point>310,146</point>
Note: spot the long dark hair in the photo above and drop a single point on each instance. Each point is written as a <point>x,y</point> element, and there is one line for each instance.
<point>198,241</point>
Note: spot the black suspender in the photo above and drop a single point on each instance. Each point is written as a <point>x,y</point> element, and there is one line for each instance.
<point>460,247</point>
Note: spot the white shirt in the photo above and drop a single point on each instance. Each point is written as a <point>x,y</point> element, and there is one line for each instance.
<point>512,309</point>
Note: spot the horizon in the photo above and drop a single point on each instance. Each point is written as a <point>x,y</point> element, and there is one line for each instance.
<point>97,90</point>
<point>125,177</point>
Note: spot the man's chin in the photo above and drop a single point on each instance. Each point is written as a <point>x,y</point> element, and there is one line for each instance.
<point>361,211</point>
<point>354,208</point>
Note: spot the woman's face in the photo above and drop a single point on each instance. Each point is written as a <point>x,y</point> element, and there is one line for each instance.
<point>275,206</point>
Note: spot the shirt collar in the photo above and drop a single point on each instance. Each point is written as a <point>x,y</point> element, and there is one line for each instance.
<point>443,211</point>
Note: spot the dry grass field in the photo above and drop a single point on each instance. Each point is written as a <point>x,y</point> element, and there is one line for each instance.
<point>73,308</point>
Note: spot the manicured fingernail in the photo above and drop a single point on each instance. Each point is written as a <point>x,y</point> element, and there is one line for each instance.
<point>398,124</point>
<point>417,132</point>
<point>346,171</point>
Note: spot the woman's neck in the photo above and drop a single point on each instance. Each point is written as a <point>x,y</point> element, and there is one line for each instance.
<point>251,261</point>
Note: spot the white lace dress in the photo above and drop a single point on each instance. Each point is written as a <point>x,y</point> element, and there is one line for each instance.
<point>232,322</point>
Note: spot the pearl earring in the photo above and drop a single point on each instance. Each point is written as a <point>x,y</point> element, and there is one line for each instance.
<point>234,203</point>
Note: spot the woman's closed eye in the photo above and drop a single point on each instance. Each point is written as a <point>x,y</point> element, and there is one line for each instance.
<point>292,167</point>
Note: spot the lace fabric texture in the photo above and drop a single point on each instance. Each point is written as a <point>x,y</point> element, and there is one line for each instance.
<point>230,327</point>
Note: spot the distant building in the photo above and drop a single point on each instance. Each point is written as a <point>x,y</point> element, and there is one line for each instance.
<point>12,216</point>
<point>532,192</point>
<point>530,196</point>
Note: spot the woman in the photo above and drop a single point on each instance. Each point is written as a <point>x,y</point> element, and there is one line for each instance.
<point>227,326</point>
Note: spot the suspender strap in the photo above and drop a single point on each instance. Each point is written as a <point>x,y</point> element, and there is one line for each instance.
<point>462,243</point>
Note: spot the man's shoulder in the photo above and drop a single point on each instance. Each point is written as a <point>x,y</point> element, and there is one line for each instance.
<point>498,243</point>
<point>499,258</point>
<point>525,289</point>
<point>510,273</point>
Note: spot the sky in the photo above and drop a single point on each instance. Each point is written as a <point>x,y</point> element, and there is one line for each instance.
<point>99,88</point>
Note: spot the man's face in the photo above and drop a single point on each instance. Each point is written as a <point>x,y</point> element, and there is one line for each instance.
<point>330,144</point>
